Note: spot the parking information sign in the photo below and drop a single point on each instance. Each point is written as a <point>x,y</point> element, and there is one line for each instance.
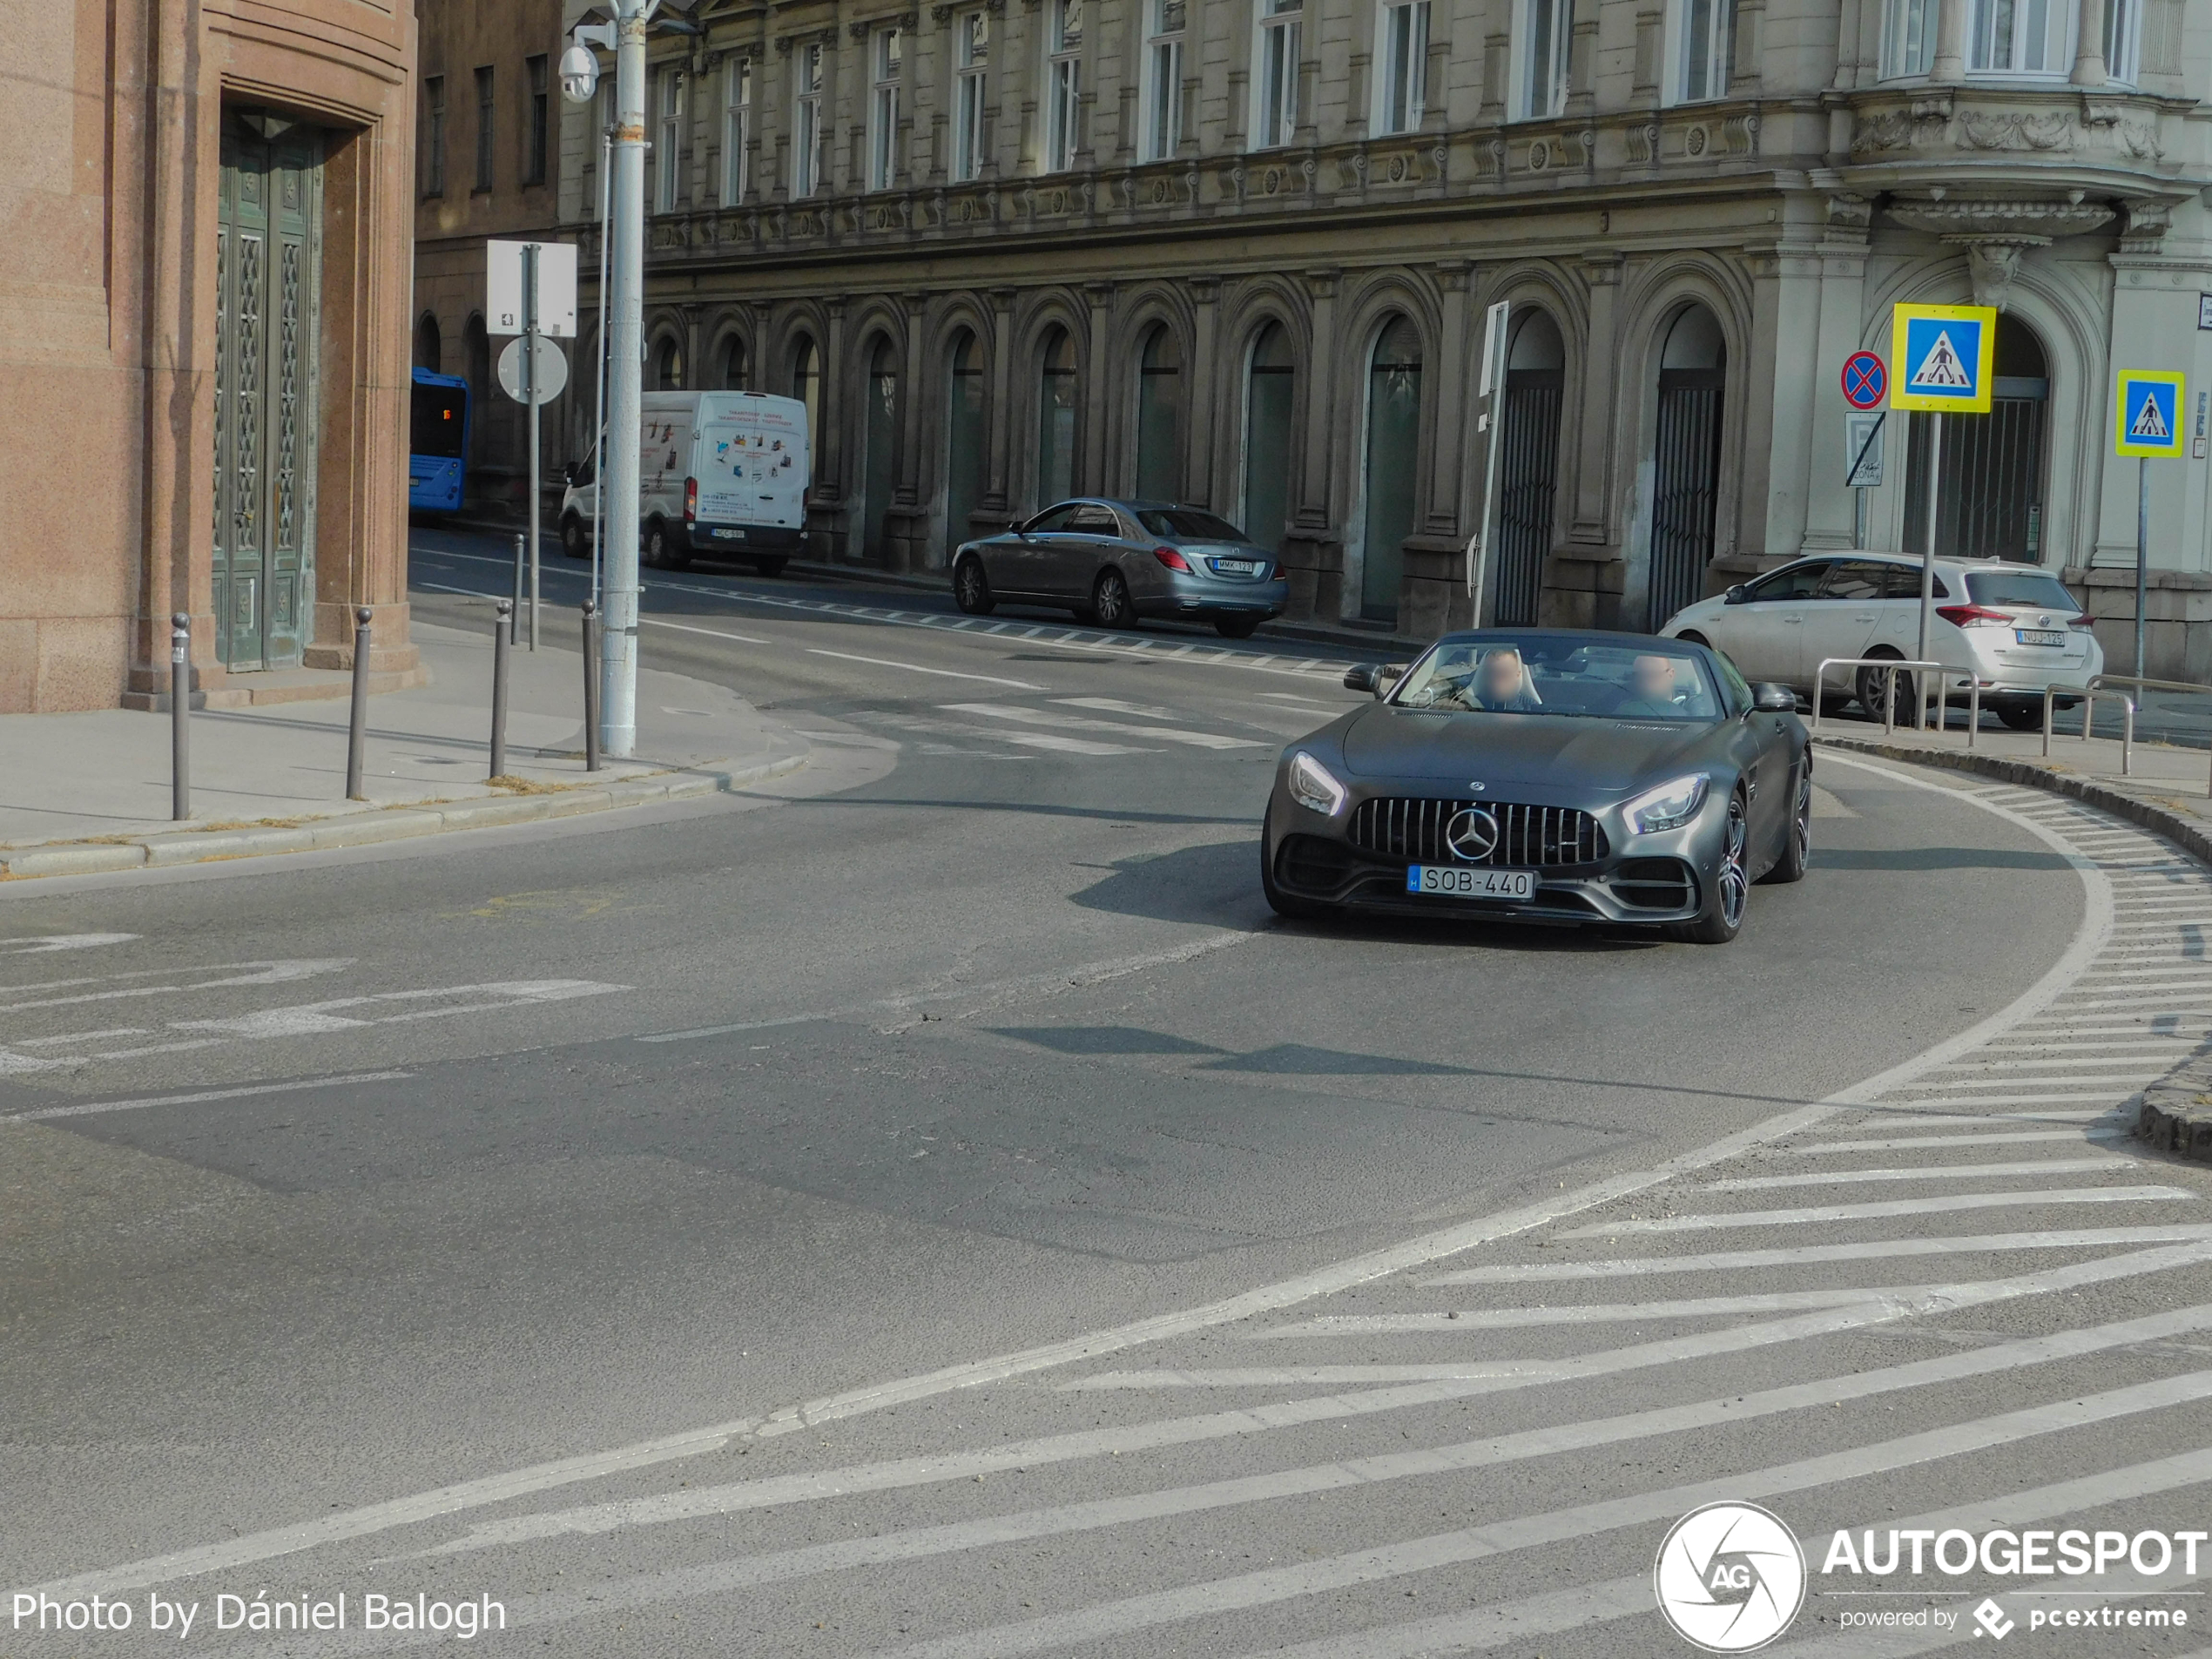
<point>1944,356</point>
<point>2148,421</point>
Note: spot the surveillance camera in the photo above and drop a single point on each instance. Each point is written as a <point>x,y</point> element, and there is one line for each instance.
<point>579,75</point>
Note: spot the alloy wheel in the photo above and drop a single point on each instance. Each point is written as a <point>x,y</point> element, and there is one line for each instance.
<point>1109,603</point>
<point>1801,822</point>
<point>1734,884</point>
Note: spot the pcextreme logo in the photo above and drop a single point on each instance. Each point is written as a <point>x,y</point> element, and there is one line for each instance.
<point>1729,1577</point>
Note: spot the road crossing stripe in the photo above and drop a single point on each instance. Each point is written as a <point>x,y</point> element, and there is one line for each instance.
<point>89,1108</point>
<point>1933,1173</point>
<point>2003,1138</point>
<point>1274,1585</point>
<point>2038,1098</point>
<point>2133,1076</point>
<point>1080,723</point>
<point>1887,1207</point>
<point>1916,1119</point>
<point>2087,1060</point>
<point>1513,1319</point>
<point>1494,1377</point>
<point>1730,1261</point>
<point>916,668</point>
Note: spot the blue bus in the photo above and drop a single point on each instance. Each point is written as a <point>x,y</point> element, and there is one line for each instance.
<point>437,441</point>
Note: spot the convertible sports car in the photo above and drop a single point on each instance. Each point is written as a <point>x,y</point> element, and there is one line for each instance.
<point>1542,775</point>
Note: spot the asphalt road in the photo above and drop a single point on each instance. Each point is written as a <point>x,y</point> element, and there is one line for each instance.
<point>467,1217</point>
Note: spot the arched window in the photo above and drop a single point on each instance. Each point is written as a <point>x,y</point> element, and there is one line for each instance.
<point>476,349</point>
<point>1686,463</point>
<point>964,438</point>
<point>1993,494</point>
<point>667,366</point>
<point>1394,456</point>
<point>734,364</point>
<point>1159,416</point>
<point>1268,381</point>
<point>1527,468</point>
<point>880,452</point>
<point>429,347</point>
<point>807,383</point>
<point>1056,419</point>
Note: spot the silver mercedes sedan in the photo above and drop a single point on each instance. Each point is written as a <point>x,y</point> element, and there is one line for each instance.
<point>1113,561</point>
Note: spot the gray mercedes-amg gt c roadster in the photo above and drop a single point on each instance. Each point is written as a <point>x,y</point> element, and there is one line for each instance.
<point>1542,775</point>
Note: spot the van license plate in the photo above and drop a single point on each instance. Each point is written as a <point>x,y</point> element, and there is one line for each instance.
<point>2039,636</point>
<point>729,535</point>
<point>1464,882</point>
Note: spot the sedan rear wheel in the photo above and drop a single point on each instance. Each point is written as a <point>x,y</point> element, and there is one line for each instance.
<point>972,589</point>
<point>1109,604</point>
<point>1723,918</point>
<point>1236,627</point>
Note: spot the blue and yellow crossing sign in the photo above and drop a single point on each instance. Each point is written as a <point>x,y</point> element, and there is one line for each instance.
<point>1944,357</point>
<point>2149,420</point>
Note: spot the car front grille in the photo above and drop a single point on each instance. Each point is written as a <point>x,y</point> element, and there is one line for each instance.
<point>1528,837</point>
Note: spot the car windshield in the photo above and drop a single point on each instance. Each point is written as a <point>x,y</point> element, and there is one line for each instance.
<point>2036,588</point>
<point>1646,680</point>
<point>1188,524</point>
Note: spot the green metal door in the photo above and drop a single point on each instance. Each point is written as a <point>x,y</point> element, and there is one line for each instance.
<point>268,259</point>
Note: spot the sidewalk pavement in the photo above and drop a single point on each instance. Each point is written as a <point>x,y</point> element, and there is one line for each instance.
<point>82,792</point>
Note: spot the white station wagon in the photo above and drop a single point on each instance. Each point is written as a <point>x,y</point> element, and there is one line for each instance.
<point>2013,626</point>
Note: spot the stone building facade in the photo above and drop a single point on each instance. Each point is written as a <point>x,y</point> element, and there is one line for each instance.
<point>203,344</point>
<point>1238,253</point>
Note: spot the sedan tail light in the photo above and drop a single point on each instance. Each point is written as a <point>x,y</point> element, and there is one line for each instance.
<point>1173,559</point>
<point>690,499</point>
<point>1975,617</point>
<point>2083,623</point>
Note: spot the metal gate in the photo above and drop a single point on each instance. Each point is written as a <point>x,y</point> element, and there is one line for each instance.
<point>268,283</point>
<point>1528,481</point>
<point>1685,477</point>
<point>1991,499</point>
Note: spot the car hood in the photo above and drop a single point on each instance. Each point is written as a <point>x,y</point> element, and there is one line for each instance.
<point>1552,750</point>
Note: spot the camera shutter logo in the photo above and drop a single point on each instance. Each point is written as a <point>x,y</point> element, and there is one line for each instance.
<point>1472,835</point>
<point>1729,1577</point>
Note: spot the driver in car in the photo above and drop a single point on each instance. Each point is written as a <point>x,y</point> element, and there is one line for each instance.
<point>1651,685</point>
<point>1502,685</point>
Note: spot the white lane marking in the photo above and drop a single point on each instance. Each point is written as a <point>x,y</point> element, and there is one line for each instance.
<point>1885,1208</point>
<point>916,668</point>
<point>1077,723</point>
<point>2131,1076</point>
<point>1733,1261</point>
<point>1933,1173</point>
<point>81,1036</point>
<point>277,973</point>
<point>1269,1586</point>
<point>1496,1376</point>
<point>39,944</point>
<point>1514,1318</point>
<point>2085,1037</point>
<point>2151,1066</point>
<point>711,633</point>
<point>1885,1120</point>
<point>1116,705</point>
<point>89,1108</point>
<point>2041,1095</point>
<point>922,1542</point>
<point>1060,742</point>
<point>497,1488</point>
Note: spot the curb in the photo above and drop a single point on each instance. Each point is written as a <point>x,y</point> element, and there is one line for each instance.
<point>392,824</point>
<point>2176,1113</point>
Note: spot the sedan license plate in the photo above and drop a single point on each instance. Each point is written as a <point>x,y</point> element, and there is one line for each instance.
<point>2039,636</point>
<point>1235,567</point>
<point>1465,881</point>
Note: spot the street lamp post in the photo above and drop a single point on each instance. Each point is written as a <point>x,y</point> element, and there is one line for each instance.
<point>625,352</point>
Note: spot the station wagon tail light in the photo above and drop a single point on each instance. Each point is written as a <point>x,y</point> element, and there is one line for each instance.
<point>1975,617</point>
<point>1313,788</point>
<point>1173,559</point>
<point>690,499</point>
<point>1669,806</point>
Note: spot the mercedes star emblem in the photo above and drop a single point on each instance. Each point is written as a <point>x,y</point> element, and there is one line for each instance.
<point>1472,835</point>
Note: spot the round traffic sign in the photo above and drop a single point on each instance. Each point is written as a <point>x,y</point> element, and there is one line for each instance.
<point>1866,382</point>
<point>552,369</point>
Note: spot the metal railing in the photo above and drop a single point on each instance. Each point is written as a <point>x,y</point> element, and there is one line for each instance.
<point>1892,665</point>
<point>2089,696</point>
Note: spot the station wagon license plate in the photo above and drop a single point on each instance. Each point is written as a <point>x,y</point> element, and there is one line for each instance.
<point>1235,567</point>
<point>1467,881</point>
<point>2039,636</point>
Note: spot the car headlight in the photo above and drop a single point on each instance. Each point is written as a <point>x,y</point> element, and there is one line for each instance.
<point>1669,806</point>
<point>1312,787</point>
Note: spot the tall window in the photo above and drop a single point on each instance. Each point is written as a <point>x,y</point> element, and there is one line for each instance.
<point>668,368</point>
<point>1275,101</point>
<point>1163,79</point>
<point>1908,47</point>
<point>737,129</point>
<point>668,147</point>
<point>1402,87</point>
<point>2021,37</point>
<point>2123,39</point>
<point>888,60</point>
<point>733,365</point>
<point>964,438</point>
<point>1159,416</point>
<point>1056,420</point>
<point>1268,384</point>
<point>534,144</point>
<point>1063,86</point>
<point>806,121</point>
<point>1708,44</point>
<point>807,382</point>
<point>1541,59</point>
<point>1393,443</point>
<point>434,135</point>
<point>484,129</point>
<point>971,65</point>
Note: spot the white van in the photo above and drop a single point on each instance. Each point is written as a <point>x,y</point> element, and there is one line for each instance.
<point>720,472</point>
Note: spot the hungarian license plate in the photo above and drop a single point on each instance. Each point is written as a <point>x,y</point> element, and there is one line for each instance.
<point>2039,636</point>
<point>1235,567</point>
<point>729,535</point>
<point>1465,881</point>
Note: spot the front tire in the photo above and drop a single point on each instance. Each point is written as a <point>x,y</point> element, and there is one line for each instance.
<point>1283,904</point>
<point>1724,917</point>
<point>1109,600</point>
<point>1797,843</point>
<point>971,588</point>
<point>1236,627</point>
<point>576,541</point>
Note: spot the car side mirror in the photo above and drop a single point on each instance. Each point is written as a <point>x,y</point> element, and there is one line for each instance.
<point>1738,594</point>
<point>1768,698</point>
<point>1364,677</point>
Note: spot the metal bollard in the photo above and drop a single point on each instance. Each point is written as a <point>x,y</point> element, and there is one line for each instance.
<point>357,731</point>
<point>514,616</point>
<point>180,717</point>
<point>590,686</point>
<point>502,637</point>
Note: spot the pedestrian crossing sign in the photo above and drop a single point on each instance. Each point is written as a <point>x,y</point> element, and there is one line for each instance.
<point>2149,420</point>
<point>1942,356</point>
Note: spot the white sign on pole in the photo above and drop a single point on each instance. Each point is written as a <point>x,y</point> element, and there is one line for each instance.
<point>515,372</point>
<point>505,306</point>
<point>1862,450</point>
